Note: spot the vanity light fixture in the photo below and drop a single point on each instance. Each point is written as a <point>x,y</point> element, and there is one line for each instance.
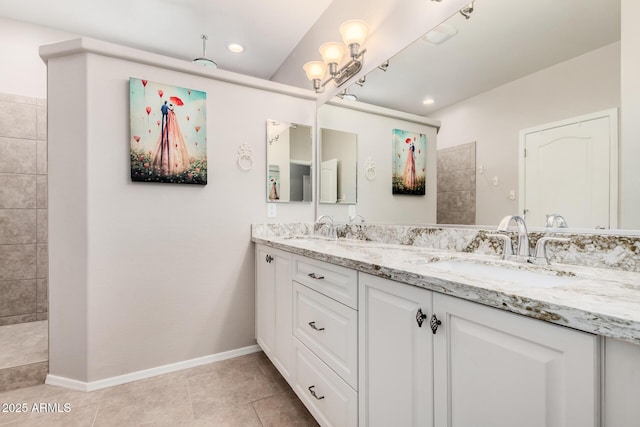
<point>204,60</point>
<point>354,32</point>
<point>361,81</point>
<point>235,47</point>
<point>347,96</point>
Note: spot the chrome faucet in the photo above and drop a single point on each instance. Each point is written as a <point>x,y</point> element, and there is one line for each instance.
<point>524,250</point>
<point>555,221</point>
<point>328,221</point>
<point>354,217</point>
<point>523,235</point>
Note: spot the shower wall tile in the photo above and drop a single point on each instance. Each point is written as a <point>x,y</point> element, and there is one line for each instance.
<point>18,297</point>
<point>42,226</point>
<point>457,201</point>
<point>17,191</point>
<point>17,226</point>
<point>42,295</point>
<point>17,155</point>
<point>17,262</point>
<point>42,261</point>
<point>41,316</point>
<point>23,318</point>
<point>464,179</point>
<point>24,376</point>
<point>18,120</point>
<point>41,157</point>
<point>41,121</point>
<point>466,218</point>
<point>41,191</point>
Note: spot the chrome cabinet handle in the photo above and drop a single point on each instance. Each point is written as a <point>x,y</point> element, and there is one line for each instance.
<point>420,316</point>
<point>314,276</point>
<point>435,323</point>
<point>313,326</point>
<point>313,392</point>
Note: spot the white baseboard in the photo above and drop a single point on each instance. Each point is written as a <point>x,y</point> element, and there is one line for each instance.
<point>147,373</point>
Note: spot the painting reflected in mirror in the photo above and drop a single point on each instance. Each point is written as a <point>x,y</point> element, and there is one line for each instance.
<point>289,156</point>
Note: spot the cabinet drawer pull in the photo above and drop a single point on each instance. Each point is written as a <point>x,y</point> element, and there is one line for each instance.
<point>314,276</point>
<point>313,326</point>
<point>435,323</point>
<point>420,316</point>
<point>313,393</point>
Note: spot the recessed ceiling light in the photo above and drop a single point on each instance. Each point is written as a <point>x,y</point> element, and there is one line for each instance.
<point>428,101</point>
<point>235,47</point>
<point>440,34</point>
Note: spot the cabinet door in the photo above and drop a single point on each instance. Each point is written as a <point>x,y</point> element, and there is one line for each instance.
<point>274,319</point>
<point>499,369</point>
<point>395,359</point>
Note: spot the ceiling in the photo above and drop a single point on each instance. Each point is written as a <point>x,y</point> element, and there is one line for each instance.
<point>503,41</point>
<point>269,30</point>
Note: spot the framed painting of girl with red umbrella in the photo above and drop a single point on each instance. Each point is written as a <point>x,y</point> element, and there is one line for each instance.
<point>168,141</point>
<point>409,162</point>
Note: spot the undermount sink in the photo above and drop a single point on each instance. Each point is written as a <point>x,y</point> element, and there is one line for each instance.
<point>520,276</point>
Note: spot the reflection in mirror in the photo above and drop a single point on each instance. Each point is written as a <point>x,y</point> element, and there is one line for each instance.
<point>338,166</point>
<point>509,68</point>
<point>289,155</point>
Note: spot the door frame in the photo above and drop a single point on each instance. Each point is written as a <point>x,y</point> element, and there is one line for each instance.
<point>612,114</point>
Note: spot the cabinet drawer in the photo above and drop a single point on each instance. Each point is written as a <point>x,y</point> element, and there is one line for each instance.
<point>329,329</point>
<point>336,282</point>
<point>331,401</point>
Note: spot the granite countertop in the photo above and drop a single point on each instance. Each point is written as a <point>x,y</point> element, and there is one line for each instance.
<point>600,301</point>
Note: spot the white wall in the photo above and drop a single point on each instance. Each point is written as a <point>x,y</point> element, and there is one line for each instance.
<point>144,274</point>
<point>375,201</point>
<point>22,71</point>
<point>630,112</point>
<point>582,85</point>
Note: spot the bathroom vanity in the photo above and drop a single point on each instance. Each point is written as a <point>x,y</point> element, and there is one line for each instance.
<point>377,334</point>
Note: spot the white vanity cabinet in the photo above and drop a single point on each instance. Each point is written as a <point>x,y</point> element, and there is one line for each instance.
<point>482,367</point>
<point>499,369</point>
<point>396,366</point>
<point>325,329</point>
<point>274,307</point>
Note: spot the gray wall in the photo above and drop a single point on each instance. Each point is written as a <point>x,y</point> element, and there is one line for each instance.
<point>23,209</point>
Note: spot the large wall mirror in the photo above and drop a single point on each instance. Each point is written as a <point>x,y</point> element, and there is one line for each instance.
<point>289,156</point>
<point>338,166</point>
<point>493,73</point>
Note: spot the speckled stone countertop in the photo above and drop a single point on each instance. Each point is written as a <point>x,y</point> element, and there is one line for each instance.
<point>596,300</point>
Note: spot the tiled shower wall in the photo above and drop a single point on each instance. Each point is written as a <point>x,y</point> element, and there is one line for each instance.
<point>457,185</point>
<point>23,209</point>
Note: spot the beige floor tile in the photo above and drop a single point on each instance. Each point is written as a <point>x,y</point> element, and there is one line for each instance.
<point>228,386</point>
<point>23,344</point>
<point>23,376</point>
<point>283,411</point>
<point>76,417</point>
<point>27,395</point>
<point>156,401</point>
<point>233,416</point>
<point>52,394</point>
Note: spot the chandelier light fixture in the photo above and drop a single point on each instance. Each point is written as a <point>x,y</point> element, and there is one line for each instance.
<point>354,32</point>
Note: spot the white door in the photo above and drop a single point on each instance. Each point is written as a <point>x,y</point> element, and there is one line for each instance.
<point>306,188</point>
<point>570,168</point>
<point>329,181</point>
<point>498,369</point>
<point>395,354</point>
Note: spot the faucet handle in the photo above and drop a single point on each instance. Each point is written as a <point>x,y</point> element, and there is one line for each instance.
<point>508,244</point>
<point>541,247</point>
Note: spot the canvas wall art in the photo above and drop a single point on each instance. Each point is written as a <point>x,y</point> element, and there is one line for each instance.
<point>409,162</point>
<point>168,133</point>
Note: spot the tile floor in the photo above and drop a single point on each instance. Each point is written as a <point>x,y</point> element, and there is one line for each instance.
<point>245,391</point>
<point>23,344</point>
